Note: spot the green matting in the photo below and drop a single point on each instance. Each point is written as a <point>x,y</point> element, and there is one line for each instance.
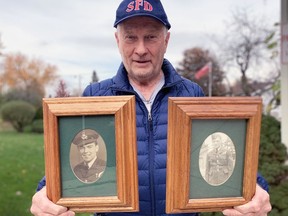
<point>201,129</point>
<point>68,128</point>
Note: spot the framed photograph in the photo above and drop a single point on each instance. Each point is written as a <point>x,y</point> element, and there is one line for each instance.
<point>91,153</point>
<point>213,146</point>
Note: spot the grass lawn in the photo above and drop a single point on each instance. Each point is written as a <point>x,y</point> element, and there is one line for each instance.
<point>21,167</point>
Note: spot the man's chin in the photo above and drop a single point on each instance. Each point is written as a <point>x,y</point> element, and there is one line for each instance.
<point>142,73</point>
<point>87,160</point>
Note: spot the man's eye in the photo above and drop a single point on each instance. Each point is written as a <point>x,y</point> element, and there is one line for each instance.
<point>151,37</point>
<point>131,37</point>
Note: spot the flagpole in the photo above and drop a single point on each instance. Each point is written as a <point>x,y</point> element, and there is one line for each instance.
<point>210,79</point>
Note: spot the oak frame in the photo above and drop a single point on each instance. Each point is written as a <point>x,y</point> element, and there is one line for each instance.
<point>123,108</point>
<point>181,113</point>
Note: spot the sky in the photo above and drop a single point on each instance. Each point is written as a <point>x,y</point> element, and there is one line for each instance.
<point>77,36</point>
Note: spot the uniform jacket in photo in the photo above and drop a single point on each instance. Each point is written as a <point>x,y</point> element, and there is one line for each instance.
<point>91,174</point>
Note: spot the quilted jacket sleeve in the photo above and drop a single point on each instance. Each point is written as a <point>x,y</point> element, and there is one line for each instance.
<point>41,184</point>
<point>262,182</point>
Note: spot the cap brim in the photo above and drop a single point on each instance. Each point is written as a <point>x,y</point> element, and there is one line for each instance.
<point>168,26</point>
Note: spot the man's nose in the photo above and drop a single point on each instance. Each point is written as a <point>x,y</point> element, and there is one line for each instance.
<point>141,48</point>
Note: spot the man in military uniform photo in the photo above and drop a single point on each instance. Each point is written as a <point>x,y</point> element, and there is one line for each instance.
<point>92,167</point>
<point>219,161</point>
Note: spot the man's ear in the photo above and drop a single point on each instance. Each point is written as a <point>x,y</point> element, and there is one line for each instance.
<point>117,38</point>
<point>167,40</point>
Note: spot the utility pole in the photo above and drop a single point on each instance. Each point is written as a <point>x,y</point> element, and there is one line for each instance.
<point>284,72</point>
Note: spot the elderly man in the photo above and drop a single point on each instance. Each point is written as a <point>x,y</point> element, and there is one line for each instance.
<point>142,36</point>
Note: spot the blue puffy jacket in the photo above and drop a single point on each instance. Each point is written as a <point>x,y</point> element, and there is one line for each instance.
<point>151,134</point>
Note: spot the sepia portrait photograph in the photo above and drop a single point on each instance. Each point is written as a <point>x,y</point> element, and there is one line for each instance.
<point>88,156</point>
<point>217,158</point>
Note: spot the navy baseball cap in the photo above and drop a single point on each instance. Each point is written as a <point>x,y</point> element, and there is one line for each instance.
<point>132,8</point>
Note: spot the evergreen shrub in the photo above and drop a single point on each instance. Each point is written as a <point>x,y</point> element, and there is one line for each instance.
<point>19,113</point>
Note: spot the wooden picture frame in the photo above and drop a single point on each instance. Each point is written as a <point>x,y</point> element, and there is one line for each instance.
<point>191,121</point>
<point>113,117</point>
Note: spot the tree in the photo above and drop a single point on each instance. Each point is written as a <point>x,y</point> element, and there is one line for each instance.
<point>1,46</point>
<point>18,113</point>
<point>62,90</point>
<point>273,43</point>
<point>195,59</point>
<point>275,97</point>
<point>1,54</point>
<point>23,73</point>
<point>273,153</point>
<point>246,45</point>
<point>94,77</point>
<point>32,96</point>
<point>272,165</point>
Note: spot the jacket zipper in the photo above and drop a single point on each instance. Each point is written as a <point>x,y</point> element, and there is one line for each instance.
<point>151,155</point>
<point>151,163</point>
<point>149,117</point>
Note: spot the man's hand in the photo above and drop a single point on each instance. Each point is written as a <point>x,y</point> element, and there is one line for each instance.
<point>42,206</point>
<point>258,206</point>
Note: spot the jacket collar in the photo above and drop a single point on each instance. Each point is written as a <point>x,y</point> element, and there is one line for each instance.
<point>121,82</point>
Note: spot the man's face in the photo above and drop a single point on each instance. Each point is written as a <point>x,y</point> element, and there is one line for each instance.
<point>142,43</point>
<point>89,151</point>
<point>217,142</point>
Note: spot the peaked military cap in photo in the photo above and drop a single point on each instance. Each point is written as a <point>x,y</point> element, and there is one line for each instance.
<point>86,136</point>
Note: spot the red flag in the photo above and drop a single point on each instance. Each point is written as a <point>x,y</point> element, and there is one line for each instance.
<point>206,69</point>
